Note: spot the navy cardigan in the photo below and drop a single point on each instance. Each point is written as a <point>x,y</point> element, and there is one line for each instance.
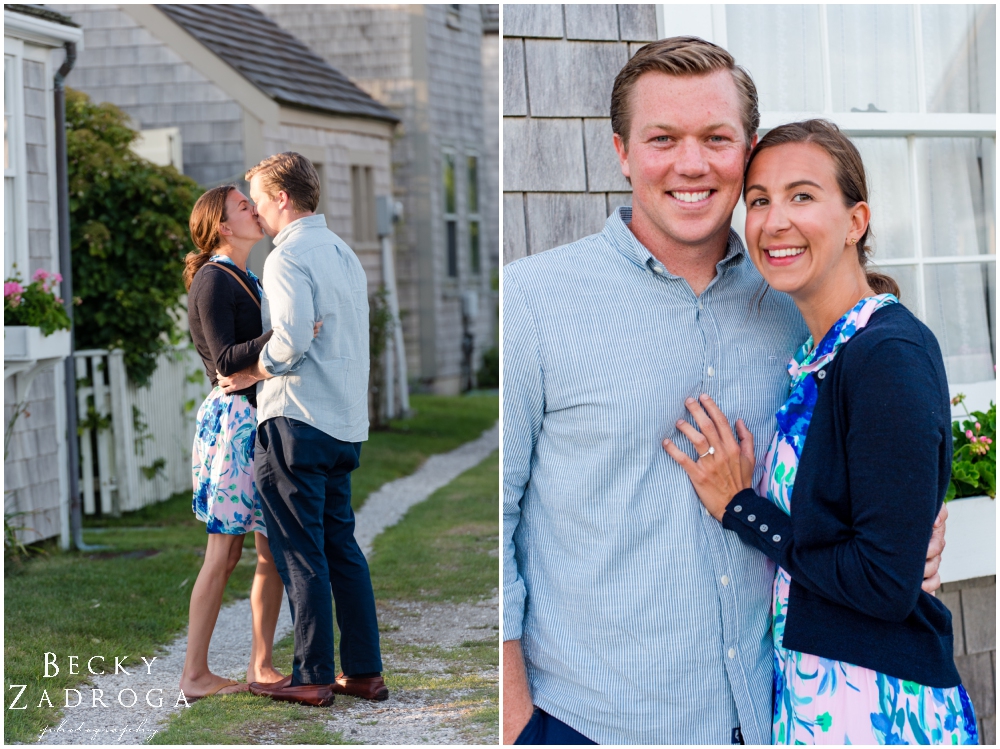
<point>870,482</point>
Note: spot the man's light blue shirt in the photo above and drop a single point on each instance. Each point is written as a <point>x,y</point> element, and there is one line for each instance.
<point>641,619</point>
<point>311,274</point>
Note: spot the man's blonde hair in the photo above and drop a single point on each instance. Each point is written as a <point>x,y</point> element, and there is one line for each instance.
<point>681,56</point>
<point>293,173</point>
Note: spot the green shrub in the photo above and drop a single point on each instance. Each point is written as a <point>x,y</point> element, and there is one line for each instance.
<point>128,224</point>
<point>488,375</point>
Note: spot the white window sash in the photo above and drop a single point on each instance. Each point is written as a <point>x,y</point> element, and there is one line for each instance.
<point>18,159</point>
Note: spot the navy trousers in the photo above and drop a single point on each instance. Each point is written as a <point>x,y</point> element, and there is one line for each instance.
<point>544,729</point>
<point>303,476</point>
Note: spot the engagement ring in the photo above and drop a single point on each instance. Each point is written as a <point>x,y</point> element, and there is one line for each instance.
<point>711,451</point>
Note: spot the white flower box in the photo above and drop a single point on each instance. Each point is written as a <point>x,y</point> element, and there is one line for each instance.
<point>970,539</point>
<point>26,343</point>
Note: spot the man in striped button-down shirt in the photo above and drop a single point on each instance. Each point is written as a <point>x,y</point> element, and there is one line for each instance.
<point>630,615</point>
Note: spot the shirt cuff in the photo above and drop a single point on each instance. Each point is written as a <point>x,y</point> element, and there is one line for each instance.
<point>759,523</point>
<point>277,368</point>
<point>514,595</point>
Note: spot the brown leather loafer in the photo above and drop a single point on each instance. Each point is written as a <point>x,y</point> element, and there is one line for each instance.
<point>317,695</point>
<point>371,688</point>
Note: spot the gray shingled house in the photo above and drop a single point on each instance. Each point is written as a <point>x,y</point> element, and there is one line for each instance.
<point>437,68</point>
<point>233,87</point>
<point>36,483</point>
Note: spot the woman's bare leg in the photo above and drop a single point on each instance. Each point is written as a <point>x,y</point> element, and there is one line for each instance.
<point>221,555</point>
<point>266,596</point>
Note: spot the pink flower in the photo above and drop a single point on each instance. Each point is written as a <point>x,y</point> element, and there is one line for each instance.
<point>12,288</point>
<point>975,439</point>
<point>57,277</point>
<point>977,426</point>
<point>987,440</point>
<point>40,275</point>
<point>968,433</point>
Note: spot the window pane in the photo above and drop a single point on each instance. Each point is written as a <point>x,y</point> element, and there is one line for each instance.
<point>779,45</point>
<point>474,246</point>
<point>449,183</point>
<point>8,91</point>
<point>872,58</point>
<point>887,169</point>
<point>906,277</point>
<point>452,230</point>
<point>9,216</point>
<point>960,57</point>
<point>953,209</point>
<point>473,184</point>
<point>958,311</point>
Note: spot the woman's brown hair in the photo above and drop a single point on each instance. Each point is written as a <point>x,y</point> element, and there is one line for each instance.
<point>207,214</point>
<point>850,172</point>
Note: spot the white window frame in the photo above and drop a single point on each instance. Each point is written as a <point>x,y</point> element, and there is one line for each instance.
<point>449,216</point>
<point>14,49</point>
<point>709,22</point>
<point>474,216</point>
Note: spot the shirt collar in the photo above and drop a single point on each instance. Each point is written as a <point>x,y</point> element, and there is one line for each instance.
<point>622,238</point>
<point>306,222</point>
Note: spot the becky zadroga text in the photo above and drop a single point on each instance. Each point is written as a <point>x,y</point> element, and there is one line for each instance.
<point>127,697</point>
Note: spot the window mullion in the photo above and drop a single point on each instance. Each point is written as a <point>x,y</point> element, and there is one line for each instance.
<point>918,52</point>
<point>824,44</point>
<point>918,249</point>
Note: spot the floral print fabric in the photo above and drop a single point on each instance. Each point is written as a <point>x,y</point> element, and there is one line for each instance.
<point>225,494</point>
<point>818,700</point>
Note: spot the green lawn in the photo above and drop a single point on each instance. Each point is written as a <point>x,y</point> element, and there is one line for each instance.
<point>443,550</point>
<point>134,596</point>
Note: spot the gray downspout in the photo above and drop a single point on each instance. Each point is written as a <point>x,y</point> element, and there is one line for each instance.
<point>66,266</point>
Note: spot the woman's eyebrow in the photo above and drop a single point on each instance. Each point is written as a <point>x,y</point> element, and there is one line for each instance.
<point>799,183</point>
<point>789,186</point>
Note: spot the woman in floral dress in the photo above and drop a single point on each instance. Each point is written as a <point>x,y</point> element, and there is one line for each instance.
<point>861,654</point>
<point>225,323</point>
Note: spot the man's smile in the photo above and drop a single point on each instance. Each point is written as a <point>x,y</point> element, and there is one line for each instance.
<point>691,196</point>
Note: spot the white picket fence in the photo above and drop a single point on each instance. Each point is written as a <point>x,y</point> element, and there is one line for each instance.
<point>138,449</point>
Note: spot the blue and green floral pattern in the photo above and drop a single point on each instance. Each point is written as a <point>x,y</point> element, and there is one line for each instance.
<point>818,700</point>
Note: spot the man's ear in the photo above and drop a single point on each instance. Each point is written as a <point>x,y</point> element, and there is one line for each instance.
<point>753,145</point>
<point>284,202</point>
<point>622,150</point>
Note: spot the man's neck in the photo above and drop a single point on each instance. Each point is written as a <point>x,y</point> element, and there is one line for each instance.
<point>694,263</point>
<point>288,218</point>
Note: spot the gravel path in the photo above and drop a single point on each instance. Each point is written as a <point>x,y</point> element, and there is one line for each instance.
<point>106,713</point>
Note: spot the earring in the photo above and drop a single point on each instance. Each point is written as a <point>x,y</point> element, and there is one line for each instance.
<point>853,241</point>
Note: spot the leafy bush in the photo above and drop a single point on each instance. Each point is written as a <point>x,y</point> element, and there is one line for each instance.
<point>128,222</point>
<point>380,336</point>
<point>488,375</point>
<point>974,465</point>
<point>36,304</point>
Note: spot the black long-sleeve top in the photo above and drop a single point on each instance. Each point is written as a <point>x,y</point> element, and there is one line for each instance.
<point>225,323</point>
<point>869,483</point>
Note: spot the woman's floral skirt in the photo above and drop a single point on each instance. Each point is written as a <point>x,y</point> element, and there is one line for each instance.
<point>225,495</point>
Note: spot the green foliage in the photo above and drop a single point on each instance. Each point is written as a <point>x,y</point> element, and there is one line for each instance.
<point>488,375</point>
<point>36,304</point>
<point>974,464</point>
<point>380,329</point>
<point>128,223</point>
